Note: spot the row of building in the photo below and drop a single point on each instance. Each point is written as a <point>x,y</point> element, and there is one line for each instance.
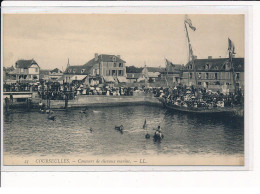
<point>111,69</point>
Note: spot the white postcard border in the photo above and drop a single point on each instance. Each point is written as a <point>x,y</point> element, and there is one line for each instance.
<point>98,7</point>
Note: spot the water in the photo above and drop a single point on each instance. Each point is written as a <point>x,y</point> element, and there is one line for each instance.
<point>31,133</point>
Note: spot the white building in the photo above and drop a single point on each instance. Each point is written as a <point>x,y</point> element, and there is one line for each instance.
<point>25,71</point>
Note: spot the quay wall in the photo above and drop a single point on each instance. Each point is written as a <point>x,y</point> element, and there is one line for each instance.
<point>93,101</point>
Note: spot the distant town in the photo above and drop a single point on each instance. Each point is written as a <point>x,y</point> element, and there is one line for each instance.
<point>212,73</point>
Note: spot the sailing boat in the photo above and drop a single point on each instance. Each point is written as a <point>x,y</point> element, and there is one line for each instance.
<point>196,109</point>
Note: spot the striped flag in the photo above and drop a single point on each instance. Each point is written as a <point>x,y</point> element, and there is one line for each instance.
<point>188,21</point>
<point>231,47</point>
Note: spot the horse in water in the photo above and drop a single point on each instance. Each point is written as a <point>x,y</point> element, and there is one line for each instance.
<point>119,128</point>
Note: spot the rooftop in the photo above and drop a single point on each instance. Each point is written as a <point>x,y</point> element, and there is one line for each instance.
<point>25,64</point>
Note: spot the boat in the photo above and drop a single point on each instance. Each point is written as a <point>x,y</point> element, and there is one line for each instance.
<point>207,109</point>
<point>202,110</point>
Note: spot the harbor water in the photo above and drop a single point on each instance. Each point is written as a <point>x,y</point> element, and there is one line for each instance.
<point>32,133</point>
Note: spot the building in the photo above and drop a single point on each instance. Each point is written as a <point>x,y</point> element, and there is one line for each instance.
<point>151,74</point>
<point>172,73</point>
<point>134,74</point>
<point>135,77</point>
<point>55,74</point>
<point>25,71</point>
<point>44,74</point>
<point>6,76</point>
<point>215,74</point>
<point>101,69</point>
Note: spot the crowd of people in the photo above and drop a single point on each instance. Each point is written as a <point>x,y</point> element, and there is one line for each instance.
<point>199,97</point>
<point>19,87</point>
<point>57,91</point>
<point>180,95</point>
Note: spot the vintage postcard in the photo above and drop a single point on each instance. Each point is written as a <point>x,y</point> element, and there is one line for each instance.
<point>115,89</point>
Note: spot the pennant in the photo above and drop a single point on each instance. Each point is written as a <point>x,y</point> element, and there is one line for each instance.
<point>188,21</point>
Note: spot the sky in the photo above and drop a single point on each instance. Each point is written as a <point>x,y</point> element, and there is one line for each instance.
<point>51,39</point>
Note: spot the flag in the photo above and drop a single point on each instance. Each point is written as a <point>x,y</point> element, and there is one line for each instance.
<point>188,21</point>
<point>169,63</point>
<point>231,47</point>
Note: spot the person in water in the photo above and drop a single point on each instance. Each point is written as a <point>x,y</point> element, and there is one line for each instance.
<point>40,105</point>
<point>158,132</point>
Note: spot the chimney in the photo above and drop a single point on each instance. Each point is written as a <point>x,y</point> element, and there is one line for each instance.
<point>219,56</point>
<point>119,56</point>
<point>209,57</point>
<point>96,56</point>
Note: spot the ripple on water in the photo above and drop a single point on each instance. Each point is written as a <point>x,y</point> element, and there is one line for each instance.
<point>31,132</point>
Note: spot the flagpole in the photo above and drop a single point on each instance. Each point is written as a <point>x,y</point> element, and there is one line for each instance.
<point>191,54</point>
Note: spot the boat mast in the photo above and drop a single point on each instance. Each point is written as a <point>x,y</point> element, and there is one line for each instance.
<point>231,54</point>
<point>166,77</point>
<point>191,56</point>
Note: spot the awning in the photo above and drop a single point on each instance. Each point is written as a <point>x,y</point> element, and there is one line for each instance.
<point>122,79</point>
<point>109,79</point>
<point>78,77</point>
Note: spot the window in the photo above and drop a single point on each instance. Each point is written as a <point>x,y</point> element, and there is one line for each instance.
<point>82,70</point>
<point>237,76</point>
<point>207,66</point>
<point>114,59</point>
<point>207,76</point>
<point>36,69</point>
<point>114,64</point>
<point>69,70</point>
<point>190,66</point>
<point>224,67</point>
<point>74,70</point>
<point>120,72</point>
<point>199,83</point>
<point>22,70</point>
<point>199,75</point>
<point>216,75</point>
<point>113,72</point>
<point>107,72</point>
<point>190,75</point>
<point>95,72</point>
<point>120,64</point>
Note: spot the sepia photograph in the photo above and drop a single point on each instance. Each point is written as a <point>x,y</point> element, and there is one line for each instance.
<point>123,89</point>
